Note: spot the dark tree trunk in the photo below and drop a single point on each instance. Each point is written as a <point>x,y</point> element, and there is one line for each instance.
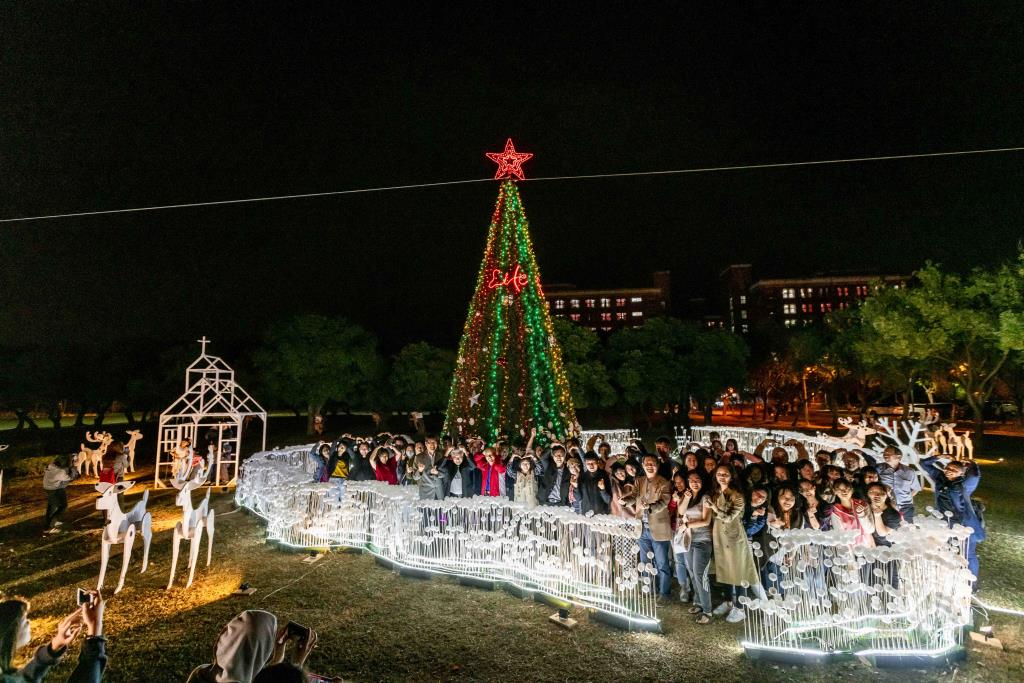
<point>80,416</point>
<point>54,414</point>
<point>101,414</point>
<point>25,419</point>
<point>129,415</point>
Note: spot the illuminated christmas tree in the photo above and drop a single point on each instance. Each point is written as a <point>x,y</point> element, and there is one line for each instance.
<point>508,374</point>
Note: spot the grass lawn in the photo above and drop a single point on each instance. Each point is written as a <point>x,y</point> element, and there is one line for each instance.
<point>375,625</point>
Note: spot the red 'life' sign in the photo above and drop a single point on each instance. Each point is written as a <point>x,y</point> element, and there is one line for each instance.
<point>517,279</point>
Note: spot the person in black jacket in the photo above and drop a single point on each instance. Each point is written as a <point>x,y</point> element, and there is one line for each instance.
<point>460,475</point>
<point>554,478</point>
<point>594,487</point>
<point>359,466</point>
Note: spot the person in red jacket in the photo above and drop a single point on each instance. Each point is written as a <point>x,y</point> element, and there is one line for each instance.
<point>385,464</point>
<point>492,472</point>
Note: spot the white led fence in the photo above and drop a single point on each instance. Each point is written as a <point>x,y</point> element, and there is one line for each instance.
<point>828,596</point>
<point>591,561</point>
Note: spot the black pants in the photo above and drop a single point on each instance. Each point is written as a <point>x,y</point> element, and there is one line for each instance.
<point>56,504</point>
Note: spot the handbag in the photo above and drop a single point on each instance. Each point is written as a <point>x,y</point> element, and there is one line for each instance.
<point>681,540</point>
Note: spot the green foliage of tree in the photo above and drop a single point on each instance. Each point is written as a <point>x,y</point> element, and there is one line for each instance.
<point>666,361</point>
<point>312,359</point>
<point>967,326</point>
<point>420,377</point>
<point>588,376</point>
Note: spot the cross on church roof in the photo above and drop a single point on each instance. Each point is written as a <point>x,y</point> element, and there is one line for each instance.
<point>203,341</point>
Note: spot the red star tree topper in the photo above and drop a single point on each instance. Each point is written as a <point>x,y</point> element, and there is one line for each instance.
<point>510,162</point>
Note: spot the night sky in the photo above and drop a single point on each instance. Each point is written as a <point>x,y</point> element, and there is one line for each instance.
<point>106,108</point>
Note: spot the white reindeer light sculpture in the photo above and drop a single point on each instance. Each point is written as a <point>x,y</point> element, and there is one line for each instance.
<point>94,456</point>
<point>858,431</point>
<point>134,436</point>
<point>193,520</point>
<point>123,528</point>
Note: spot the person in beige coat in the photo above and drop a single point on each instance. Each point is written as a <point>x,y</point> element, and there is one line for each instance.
<point>648,501</point>
<point>734,560</point>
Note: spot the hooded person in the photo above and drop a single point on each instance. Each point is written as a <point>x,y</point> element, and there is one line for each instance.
<point>244,647</point>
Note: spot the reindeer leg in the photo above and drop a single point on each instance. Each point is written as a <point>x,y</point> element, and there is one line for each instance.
<point>193,554</point>
<point>174,553</point>
<point>147,536</point>
<point>209,538</point>
<point>104,558</point>
<point>129,539</point>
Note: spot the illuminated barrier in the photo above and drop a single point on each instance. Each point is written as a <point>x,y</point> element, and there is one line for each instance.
<point>590,561</point>
<point>901,604</point>
<point>618,439</point>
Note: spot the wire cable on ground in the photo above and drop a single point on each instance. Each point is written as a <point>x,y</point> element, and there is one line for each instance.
<point>683,171</point>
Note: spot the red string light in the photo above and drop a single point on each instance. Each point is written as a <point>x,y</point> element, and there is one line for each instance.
<point>510,162</point>
<point>517,279</point>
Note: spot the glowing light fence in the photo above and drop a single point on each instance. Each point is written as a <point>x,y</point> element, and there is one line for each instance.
<point>592,561</point>
<point>827,596</point>
<point>618,439</point>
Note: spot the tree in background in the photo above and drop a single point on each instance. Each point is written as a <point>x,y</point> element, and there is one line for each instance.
<point>311,359</point>
<point>717,361</point>
<point>967,326</point>
<point>420,376</point>
<point>649,365</point>
<point>587,374</point>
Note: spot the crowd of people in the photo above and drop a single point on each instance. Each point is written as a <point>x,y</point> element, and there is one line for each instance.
<point>703,509</point>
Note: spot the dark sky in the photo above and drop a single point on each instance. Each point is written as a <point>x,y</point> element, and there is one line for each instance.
<point>134,106</point>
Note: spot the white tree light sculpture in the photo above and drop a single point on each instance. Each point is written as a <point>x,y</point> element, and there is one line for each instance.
<point>591,561</point>
<point>831,597</point>
<point>212,400</point>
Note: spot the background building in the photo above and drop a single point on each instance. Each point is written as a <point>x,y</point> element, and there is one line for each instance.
<point>793,302</point>
<point>606,310</point>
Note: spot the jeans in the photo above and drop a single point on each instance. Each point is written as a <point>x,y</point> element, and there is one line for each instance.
<point>908,513</point>
<point>662,550</point>
<point>972,557</point>
<point>56,504</point>
<point>340,483</point>
<point>698,559</point>
<point>681,574</point>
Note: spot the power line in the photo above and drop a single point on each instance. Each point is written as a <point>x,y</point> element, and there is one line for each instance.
<point>683,171</point>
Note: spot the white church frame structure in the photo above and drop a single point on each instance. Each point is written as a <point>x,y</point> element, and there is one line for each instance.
<point>212,401</point>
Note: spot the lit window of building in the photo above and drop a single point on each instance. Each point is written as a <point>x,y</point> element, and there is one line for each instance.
<point>826,307</point>
<point>575,303</point>
<point>745,328</point>
<point>575,317</point>
<point>743,299</point>
<point>637,299</point>
<point>790,322</point>
<point>804,293</point>
<point>606,317</point>
<point>606,303</point>
<point>589,303</point>
<point>607,328</point>
<point>620,302</point>
<point>788,293</point>
<point>789,309</point>
<point>637,314</point>
<point>743,314</point>
<point>559,304</point>
<point>620,316</point>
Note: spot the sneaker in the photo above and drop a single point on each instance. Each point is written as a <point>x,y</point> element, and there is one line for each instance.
<point>722,609</point>
<point>684,597</point>
<point>703,619</point>
<point>696,609</point>
<point>58,523</point>
<point>735,616</point>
